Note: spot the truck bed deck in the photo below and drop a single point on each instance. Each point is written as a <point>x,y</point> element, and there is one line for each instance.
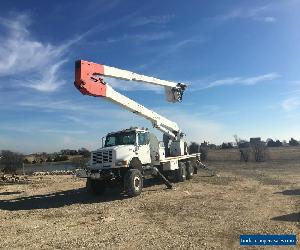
<point>180,157</point>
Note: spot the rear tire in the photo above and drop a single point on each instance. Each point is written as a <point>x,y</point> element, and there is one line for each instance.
<point>181,172</point>
<point>95,186</point>
<point>133,182</point>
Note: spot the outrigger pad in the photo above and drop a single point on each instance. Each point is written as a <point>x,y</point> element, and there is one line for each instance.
<point>167,183</point>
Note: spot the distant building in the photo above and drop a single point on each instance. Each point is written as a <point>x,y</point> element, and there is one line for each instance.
<point>255,140</point>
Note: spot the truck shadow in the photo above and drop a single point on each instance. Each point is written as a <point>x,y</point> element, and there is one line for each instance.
<point>10,193</point>
<point>152,182</point>
<point>293,217</point>
<point>59,199</point>
<point>65,198</point>
<point>290,192</point>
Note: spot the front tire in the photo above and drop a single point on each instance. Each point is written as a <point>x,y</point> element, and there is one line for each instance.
<point>95,186</point>
<point>133,182</point>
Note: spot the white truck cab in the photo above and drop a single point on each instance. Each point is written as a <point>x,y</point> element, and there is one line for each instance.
<point>119,148</point>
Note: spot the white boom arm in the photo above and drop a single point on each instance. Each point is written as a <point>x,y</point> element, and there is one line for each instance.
<point>131,76</point>
<point>163,124</point>
<point>173,90</point>
<point>89,82</point>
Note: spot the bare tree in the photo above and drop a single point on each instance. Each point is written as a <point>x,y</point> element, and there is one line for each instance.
<point>259,151</point>
<point>84,152</point>
<point>11,161</point>
<point>204,151</point>
<point>194,147</point>
<point>80,162</point>
<point>244,148</point>
<point>255,149</point>
<point>293,142</point>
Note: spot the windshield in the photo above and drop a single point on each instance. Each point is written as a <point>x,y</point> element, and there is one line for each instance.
<point>120,139</point>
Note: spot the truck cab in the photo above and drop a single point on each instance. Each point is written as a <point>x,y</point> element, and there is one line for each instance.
<point>119,148</point>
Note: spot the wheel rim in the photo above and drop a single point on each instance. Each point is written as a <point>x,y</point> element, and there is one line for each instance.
<point>136,183</point>
<point>183,173</point>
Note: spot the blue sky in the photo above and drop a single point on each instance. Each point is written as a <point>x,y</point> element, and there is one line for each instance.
<point>240,58</point>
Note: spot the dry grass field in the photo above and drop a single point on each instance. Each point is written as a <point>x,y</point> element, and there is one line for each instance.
<point>55,212</point>
<point>273,154</point>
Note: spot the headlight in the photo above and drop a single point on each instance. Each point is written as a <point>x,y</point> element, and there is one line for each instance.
<point>122,163</point>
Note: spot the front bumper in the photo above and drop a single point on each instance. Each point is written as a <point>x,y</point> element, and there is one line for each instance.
<point>93,174</point>
<point>99,174</point>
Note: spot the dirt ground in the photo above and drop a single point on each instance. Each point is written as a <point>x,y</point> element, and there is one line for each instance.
<point>55,212</point>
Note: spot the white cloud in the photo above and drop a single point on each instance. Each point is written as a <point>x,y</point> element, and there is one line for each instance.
<point>295,82</point>
<point>293,88</point>
<point>197,127</point>
<point>161,20</point>
<point>72,108</point>
<point>139,38</point>
<point>48,81</point>
<point>290,104</point>
<point>262,78</point>
<point>91,124</point>
<point>62,131</point>
<point>259,13</point>
<point>38,128</point>
<point>170,49</point>
<point>238,81</point>
<point>30,62</point>
<point>47,104</point>
<point>269,19</point>
<point>67,141</point>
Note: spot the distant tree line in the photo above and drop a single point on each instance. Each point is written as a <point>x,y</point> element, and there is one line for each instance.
<point>254,149</point>
<point>63,155</point>
<point>277,143</point>
<point>81,151</point>
<point>11,161</point>
<point>226,145</point>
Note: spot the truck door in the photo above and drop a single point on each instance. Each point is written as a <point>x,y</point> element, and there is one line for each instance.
<point>143,148</point>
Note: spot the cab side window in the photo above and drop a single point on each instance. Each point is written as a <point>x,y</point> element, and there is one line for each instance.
<point>110,141</point>
<point>143,138</point>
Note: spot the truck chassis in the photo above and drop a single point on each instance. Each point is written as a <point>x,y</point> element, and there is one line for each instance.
<point>130,179</point>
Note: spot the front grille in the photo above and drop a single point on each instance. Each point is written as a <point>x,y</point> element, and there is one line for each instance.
<point>102,157</point>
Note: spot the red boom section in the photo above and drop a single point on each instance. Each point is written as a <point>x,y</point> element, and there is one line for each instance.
<point>87,79</point>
